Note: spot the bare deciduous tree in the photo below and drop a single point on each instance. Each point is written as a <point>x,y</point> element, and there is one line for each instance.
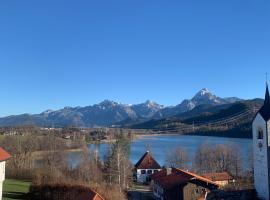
<point>177,158</point>
<point>218,158</point>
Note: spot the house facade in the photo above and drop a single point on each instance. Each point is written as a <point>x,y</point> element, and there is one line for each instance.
<point>3,157</point>
<point>177,184</point>
<point>145,167</point>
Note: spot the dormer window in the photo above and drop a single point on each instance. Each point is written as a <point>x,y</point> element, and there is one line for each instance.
<point>260,134</point>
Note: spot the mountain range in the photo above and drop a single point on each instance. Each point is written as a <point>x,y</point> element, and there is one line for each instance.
<point>109,113</point>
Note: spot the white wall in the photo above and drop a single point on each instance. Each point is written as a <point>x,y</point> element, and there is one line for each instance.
<point>141,178</point>
<point>2,176</point>
<point>260,158</point>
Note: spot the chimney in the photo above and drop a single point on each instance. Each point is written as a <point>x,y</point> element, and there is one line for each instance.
<point>169,171</point>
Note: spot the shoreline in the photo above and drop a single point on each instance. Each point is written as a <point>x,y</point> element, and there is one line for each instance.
<point>139,136</point>
<point>143,135</point>
<point>135,137</point>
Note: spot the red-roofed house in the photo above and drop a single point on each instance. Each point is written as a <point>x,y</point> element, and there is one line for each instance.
<point>145,167</point>
<point>3,157</point>
<point>177,184</point>
<point>223,178</point>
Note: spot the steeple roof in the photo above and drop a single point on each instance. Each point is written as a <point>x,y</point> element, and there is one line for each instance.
<point>265,110</point>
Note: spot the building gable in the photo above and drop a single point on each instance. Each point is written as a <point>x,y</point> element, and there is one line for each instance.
<point>147,162</point>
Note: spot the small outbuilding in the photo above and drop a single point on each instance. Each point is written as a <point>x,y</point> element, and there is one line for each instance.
<point>145,167</point>
<point>223,178</point>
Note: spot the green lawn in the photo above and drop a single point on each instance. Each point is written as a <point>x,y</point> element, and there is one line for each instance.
<point>15,189</point>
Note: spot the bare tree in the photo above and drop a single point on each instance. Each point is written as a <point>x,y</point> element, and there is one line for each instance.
<point>218,158</point>
<point>177,158</point>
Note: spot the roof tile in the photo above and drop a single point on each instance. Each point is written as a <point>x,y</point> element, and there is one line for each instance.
<point>4,155</point>
<point>223,176</point>
<point>177,177</point>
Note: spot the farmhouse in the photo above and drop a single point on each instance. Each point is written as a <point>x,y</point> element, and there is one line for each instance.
<point>145,167</point>
<point>3,157</point>
<point>223,178</point>
<point>177,184</point>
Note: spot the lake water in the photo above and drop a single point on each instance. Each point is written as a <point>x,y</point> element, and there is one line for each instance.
<point>162,144</point>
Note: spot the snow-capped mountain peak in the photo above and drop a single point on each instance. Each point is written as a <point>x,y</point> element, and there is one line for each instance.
<point>204,91</point>
<point>204,96</point>
<point>152,104</point>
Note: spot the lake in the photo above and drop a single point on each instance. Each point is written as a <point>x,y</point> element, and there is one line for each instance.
<point>160,145</point>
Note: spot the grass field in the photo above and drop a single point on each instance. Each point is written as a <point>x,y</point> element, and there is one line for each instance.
<point>15,189</point>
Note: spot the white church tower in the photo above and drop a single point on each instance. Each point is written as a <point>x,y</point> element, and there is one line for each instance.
<point>261,149</point>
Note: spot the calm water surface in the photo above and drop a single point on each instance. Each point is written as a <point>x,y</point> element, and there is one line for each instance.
<point>162,144</point>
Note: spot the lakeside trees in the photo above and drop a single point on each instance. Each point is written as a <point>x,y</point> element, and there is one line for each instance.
<point>177,158</point>
<point>215,159</point>
<point>43,159</point>
<point>218,158</point>
<point>118,169</point>
<point>114,173</point>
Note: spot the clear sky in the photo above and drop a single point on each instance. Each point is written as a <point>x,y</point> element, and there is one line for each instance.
<point>58,53</point>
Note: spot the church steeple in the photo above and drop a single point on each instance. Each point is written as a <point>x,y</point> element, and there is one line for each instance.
<point>261,148</point>
<point>267,97</point>
<point>265,110</point>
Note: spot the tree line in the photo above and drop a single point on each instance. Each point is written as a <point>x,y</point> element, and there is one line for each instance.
<point>43,160</point>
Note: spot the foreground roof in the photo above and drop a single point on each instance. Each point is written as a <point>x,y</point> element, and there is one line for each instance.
<point>198,177</point>
<point>66,191</point>
<point>177,177</point>
<point>4,155</point>
<point>91,195</point>
<point>223,176</point>
<point>147,162</point>
<point>171,180</point>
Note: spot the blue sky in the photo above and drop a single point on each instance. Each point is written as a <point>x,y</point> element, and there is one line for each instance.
<point>58,53</point>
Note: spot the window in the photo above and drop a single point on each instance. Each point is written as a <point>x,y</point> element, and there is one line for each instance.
<point>149,171</point>
<point>260,134</point>
<point>143,172</point>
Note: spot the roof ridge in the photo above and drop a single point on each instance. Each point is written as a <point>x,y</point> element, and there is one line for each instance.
<point>97,195</point>
<point>198,176</point>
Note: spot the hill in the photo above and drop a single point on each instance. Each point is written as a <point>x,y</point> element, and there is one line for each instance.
<point>231,120</point>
